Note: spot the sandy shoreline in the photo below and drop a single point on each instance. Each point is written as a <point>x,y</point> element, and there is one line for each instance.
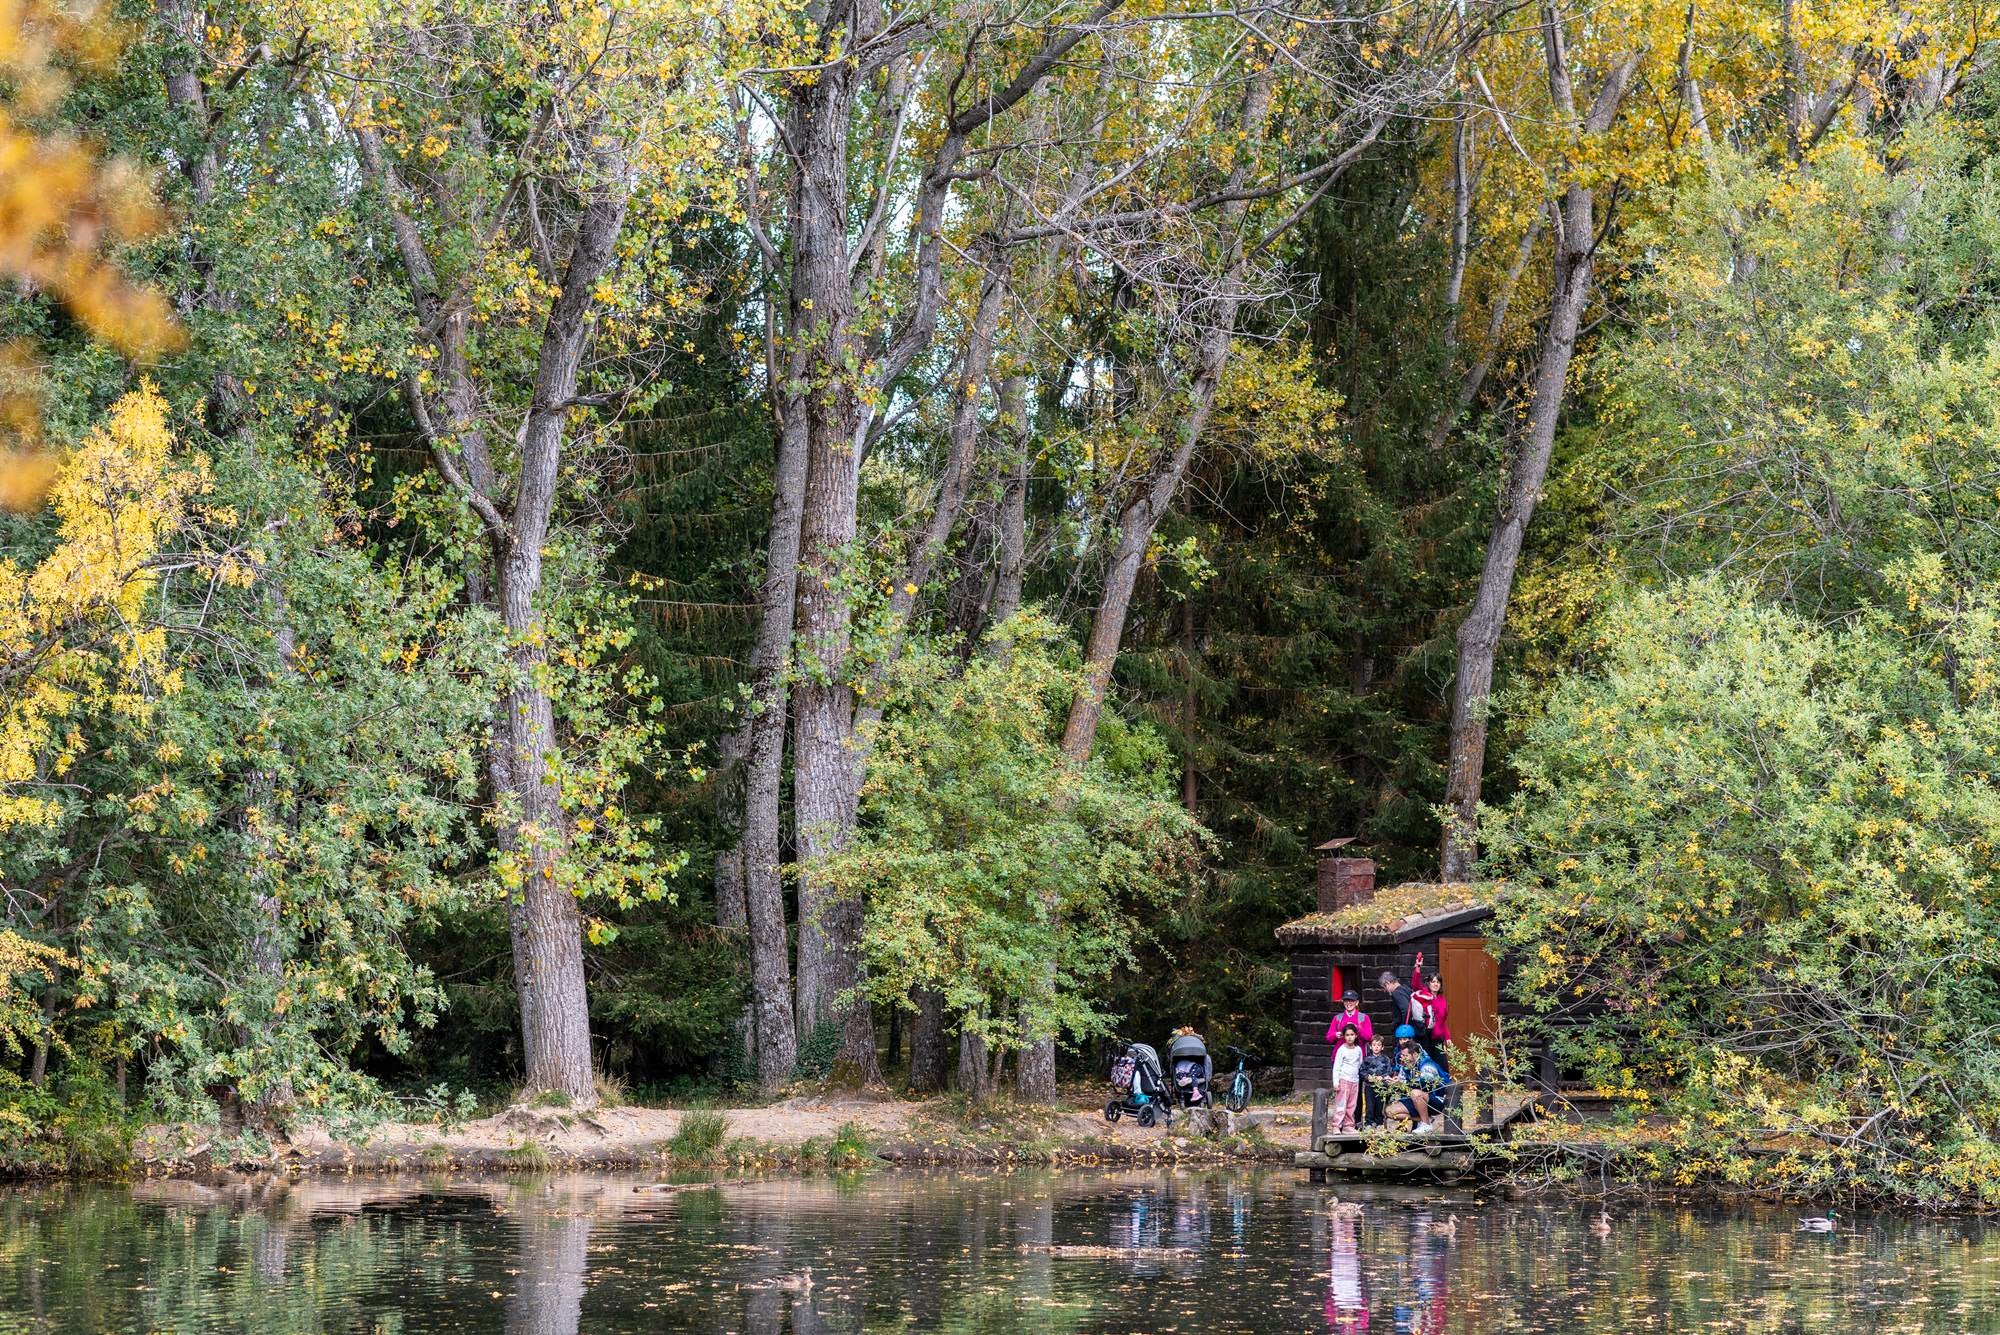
<point>791,1133</point>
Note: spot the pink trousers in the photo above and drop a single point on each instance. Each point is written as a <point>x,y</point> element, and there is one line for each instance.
<point>1340,1108</point>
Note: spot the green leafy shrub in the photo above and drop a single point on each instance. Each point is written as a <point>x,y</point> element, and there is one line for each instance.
<point>1750,869</point>
<point>848,1148</point>
<point>993,871</point>
<point>699,1136</point>
<point>818,1051</point>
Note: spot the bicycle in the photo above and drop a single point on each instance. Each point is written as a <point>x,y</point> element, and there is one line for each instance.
<point>1238,1096</point>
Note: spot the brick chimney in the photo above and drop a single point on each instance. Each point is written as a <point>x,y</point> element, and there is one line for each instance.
<point>1343,881</point>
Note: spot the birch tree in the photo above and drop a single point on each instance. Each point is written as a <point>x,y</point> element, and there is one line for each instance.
<point>509,167</point>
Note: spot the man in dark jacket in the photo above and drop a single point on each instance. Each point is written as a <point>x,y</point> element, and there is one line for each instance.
<point>1403,999</point>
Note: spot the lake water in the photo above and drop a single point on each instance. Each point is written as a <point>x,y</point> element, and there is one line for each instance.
<point>893,1251</point>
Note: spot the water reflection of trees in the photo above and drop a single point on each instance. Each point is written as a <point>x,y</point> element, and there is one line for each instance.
<point>1543,1269</point>
<point>560,1254</point>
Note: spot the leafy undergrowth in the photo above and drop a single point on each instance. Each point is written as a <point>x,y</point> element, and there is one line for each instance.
<point>74,1125</point>
<point>1689,1147</point>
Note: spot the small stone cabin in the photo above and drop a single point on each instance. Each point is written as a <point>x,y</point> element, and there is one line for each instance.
<point>1357,933</point>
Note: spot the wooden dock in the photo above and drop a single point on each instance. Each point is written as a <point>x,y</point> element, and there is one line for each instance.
<point>1447,1156</point>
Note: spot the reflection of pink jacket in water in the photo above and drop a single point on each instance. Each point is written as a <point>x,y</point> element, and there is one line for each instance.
<point>1361,1022</point>
<point>1346,1301</point>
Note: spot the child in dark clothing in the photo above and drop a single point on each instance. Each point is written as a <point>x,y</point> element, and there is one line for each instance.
<point>1376,1068</point>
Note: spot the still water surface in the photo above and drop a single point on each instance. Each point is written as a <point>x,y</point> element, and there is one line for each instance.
<point>900,1251</point>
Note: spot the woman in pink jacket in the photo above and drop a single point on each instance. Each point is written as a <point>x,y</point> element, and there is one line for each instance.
<point>1429,989</point>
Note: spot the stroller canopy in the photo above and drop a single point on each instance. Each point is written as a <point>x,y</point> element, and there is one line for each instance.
<point>1185,1047</point>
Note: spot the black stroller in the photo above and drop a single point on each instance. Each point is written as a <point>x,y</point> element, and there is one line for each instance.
<point>1187,1060</point>
<point>1140,1088</point>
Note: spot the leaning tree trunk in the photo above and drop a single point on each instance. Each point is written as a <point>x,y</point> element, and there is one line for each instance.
<point>1136,524</point>
<point>1574,222</point>
<point>1479,634</point>
<point>1037,1069</point>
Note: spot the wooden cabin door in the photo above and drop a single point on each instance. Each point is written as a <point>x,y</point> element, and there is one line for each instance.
<point>1471,986</point>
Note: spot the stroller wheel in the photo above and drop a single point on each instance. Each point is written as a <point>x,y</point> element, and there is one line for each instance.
<point>1111,1111</point>
<point>1146,1116</point>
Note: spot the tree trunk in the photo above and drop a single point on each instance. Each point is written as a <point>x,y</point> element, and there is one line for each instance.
<point>1479,634</point>
<point>1143,514</point>
<point>1035,1071</point>
<point>732,913</point>
<point>38,1065</point>
<point>927,1049</point>
<point>1574,222</point>
<point>1037,1068</point>
<point>543,918</point>
<point>1475,375</point>
<point>974,1079</point>
<point>1461,219</point>
<point>1135,531</point>
<point>764,889</point>
<point>1013,516</point>
<point>822,701</point>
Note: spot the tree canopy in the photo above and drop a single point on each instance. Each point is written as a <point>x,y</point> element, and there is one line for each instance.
<point>713,544</point>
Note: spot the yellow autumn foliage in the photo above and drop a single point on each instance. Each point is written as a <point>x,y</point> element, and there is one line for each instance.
<point>75,636</point>
<point>1732,60</point>
<point>23,960</point>
<point>61,207</point>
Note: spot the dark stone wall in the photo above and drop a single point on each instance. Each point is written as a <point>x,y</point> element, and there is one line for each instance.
<point>1313,1004</point>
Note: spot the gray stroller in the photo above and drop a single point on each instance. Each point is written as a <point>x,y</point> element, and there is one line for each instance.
<point>1188,1071</point>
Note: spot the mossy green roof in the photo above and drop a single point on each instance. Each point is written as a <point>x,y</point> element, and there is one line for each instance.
<point>1401,911</point>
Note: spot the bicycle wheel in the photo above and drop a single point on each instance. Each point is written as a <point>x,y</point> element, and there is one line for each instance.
<point>1239,1093</point>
